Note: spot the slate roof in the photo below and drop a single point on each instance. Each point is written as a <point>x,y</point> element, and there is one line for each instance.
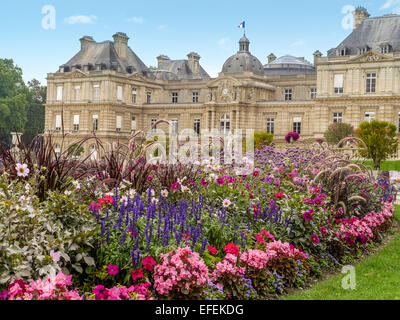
<point>105,53</point>
<point>288,65</point>
<point>178,70</point>
<point>373,32</point>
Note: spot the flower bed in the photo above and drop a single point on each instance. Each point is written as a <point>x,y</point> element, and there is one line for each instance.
<point>201,232</point>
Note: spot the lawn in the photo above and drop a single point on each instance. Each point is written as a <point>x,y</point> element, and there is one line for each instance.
<point>385,165</point>
<point>377,278</point>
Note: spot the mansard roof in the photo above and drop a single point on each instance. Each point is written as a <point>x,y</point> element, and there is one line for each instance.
<point>105,54</point>
<point>373,32</point>
<point>178,70</point>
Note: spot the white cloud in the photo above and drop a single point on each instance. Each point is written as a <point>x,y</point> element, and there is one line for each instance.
<point>223,41</point>
<point>389,4</point>
<point>137,20</point>
<point>81,19</point>
<point>298,43</point>
<point>162,27</point>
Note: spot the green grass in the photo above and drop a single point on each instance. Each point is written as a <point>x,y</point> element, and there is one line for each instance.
<point>385,165</point>
<point>377,278</point>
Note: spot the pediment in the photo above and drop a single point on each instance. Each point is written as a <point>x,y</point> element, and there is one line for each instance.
<point>370,56</point>
<point>224,81</point>
<point>78,74</point>
<point>137,76</point>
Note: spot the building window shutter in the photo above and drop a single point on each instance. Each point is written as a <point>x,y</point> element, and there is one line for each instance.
<point>59,93</point>
<point>58,122</point>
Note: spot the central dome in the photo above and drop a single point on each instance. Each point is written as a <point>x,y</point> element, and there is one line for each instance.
<point>243,60</point>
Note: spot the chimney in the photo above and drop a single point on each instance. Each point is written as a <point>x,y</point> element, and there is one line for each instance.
<point>317,55</point>
<point>121,44</point>
<point>194,63</point>
<point>271,58</point>
<point>85,41</point>
<point>359,15</point>
<point>161,59</point>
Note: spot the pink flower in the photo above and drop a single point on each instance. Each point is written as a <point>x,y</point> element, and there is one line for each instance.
<point>94,207</point>
<point>106,200</point>
<point>220,181</point>
<point>112,269</point>
<point>315,239</point>
<point>324,231</point>
<point>308,215</point>
<point>55,256</point>
<point>175,186</point>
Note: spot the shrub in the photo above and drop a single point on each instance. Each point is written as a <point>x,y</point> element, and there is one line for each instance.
<point>39,239</point>
<point>380,141</point>
<point>262,139</point>
<point>338,131</point>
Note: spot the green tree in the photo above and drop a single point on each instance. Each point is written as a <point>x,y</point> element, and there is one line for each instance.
<point>381,141</point>
<point>13,98</point>
<point>338,131</point>
<point>35,111</point>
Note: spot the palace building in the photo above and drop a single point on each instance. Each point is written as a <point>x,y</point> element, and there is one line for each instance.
<point>106,90</point>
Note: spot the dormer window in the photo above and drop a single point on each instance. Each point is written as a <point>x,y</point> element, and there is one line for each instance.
<point>363,50</point>
<point>385,48</point>
<point>343,51</point>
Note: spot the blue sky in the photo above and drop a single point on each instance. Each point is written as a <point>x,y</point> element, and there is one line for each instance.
<point>175,28</point>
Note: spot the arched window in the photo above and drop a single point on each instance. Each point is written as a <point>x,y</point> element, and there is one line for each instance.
<point>225,124</point>
<point>93,152</point>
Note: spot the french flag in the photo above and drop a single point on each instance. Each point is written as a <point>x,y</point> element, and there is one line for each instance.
<point>242,25</point>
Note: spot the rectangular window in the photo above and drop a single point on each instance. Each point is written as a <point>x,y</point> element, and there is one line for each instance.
<point>76,122</point>
<point>134,95</point>
<point>270,125</point>
<point>174,124</point>
<point>195,97</point>
<point>148,97</point>
<point>119,93</point>
<point>196,126</point>
<point>369,116</point>
<point>77,93</point>
<point>338,83</point>
<point>119,123</point>
<point>297,125</point>
<point>174,97</point>
<point>133,124</point>
<point>95,121</point>
<point>59,93</point>
<point>371,83</point>
<point>398,122</point>
<point>288,94</point>
<point>96,92</point>
<point>58,122</point>
<point>313,93</point>
<point>337,117</point>
<point>153,121</point>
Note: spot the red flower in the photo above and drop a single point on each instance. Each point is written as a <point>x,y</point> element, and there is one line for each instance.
<point>280,195</point>
<point>256,210</point>
<point>149,263</point>
<point>106,200</point>
<point>137,274</point>
<point>212,250</point>
<point>112,269</point>
<point>232,249</point>
<point>149,178</point>
<point>308,215</point>
<point>220,181</point>
<point>324,231</point>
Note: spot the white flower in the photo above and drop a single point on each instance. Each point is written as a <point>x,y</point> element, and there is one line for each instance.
<point>22,170</point>
<point>164,193</point>
<point>154,200</point>
<point>124,200</point>
<point>55,256</point>
<point>226,203</point>
<point>132,193</point>
<point>76,184</point>
<point>184,188</point>
<point>67,192</point>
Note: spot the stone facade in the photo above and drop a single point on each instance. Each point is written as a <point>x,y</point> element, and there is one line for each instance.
<point>107,91</point>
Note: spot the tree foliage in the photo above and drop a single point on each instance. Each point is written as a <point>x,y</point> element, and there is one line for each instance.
<point>380,138</point>
<point>338,131</point>
<point>13,98</point>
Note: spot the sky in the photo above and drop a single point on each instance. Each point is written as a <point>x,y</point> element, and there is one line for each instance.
<point>41,35</point>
